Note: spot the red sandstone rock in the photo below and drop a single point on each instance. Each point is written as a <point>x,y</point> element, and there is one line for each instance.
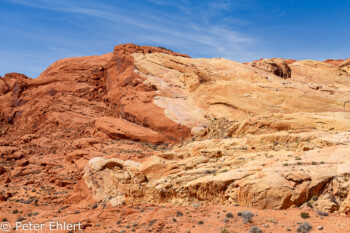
<point>333,62</point>
<point>271,142</point>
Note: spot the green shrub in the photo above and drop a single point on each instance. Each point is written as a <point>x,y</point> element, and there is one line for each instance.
<point>304,215</point>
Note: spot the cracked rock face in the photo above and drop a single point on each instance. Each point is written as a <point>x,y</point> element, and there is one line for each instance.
<point>268,176</point>
<point>258,140</point>
<point>109,177</point>
<point>144,125</point>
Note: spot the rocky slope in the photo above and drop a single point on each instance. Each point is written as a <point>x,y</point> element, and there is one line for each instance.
<point>145,126</point>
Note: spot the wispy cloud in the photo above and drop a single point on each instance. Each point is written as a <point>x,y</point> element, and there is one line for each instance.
<point>199,30</point>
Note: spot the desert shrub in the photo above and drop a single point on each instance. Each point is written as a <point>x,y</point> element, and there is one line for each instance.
<point>165,49</point>
<point>309,204</point>
<point>255,229</point>
<point>179,214</point>
<point>246,215</point>
<point>304,215</point>
<point>304,227</point>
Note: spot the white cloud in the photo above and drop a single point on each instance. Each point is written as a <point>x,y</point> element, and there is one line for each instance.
<point>189,28</point>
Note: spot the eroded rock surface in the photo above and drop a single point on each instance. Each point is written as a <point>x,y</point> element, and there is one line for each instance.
<point>145,126</point>
<point>278,143</point>
<point>275,167</point>
<point>276,66</point>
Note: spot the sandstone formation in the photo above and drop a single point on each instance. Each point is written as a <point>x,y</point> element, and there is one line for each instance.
<point>105,85</point>
<point>258,163</point>
<point>345,65</point>
<point>334,62</point>
<point>296,117</point>
<point>276,66</point>
<point>145,126</point>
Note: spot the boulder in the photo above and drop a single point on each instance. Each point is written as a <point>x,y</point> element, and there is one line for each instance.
<point>109,179</point>
<point>100,163</point>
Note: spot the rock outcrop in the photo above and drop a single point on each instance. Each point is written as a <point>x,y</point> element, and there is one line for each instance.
<point>143,126</point>
<point>276,66</point>
<point>280,166</point>
<point>88,88</point>
<point>261,114</point>
<point>345,65</point>
<point>334,62</point>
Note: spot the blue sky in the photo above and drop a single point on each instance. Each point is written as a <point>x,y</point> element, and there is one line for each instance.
<point>36,33</point>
